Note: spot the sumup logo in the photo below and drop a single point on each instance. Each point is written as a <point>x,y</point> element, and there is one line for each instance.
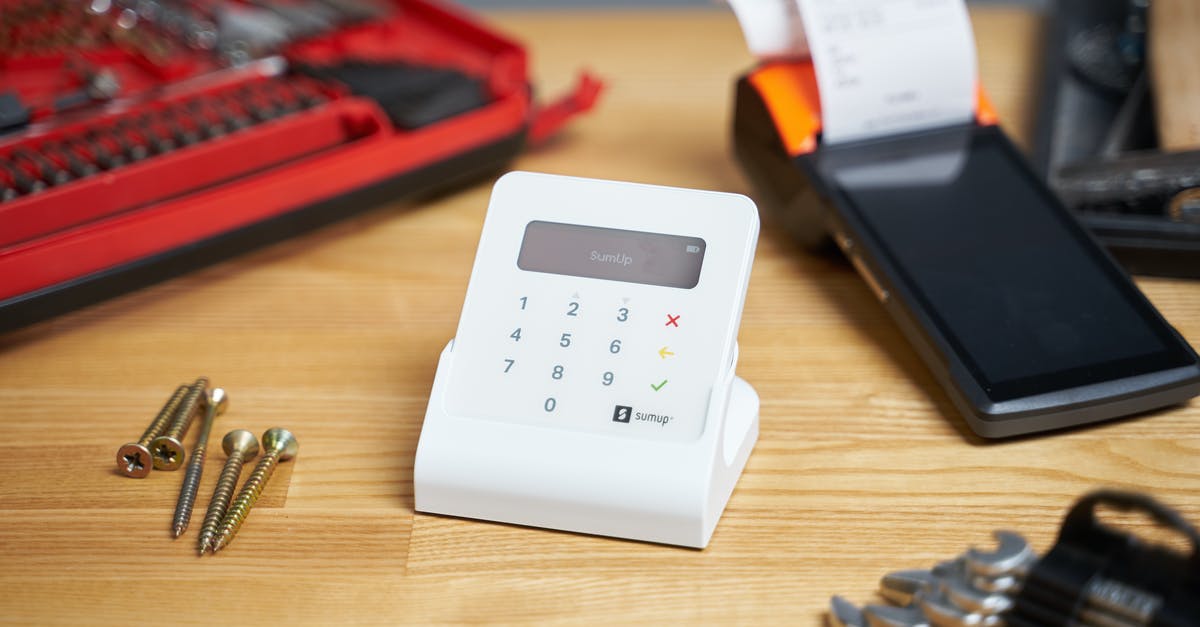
<point>661,420</point>
<point>625,413</point>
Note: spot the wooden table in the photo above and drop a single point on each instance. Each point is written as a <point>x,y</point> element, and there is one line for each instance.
<point>862,466</point>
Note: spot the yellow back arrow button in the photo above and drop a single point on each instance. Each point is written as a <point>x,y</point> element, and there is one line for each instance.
<point>663,352</point>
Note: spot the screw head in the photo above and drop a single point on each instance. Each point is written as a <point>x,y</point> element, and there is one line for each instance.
<point>240,440</point>
<point>281,440</point>
<point>168,453</point>
<point>134,460</point>
<point>218,398</point>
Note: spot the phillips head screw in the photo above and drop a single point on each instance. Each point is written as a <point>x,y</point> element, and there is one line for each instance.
<point>167,448</point>
<point>216,402</point>
<point>133,459</point>
<point>279,445</point>
<point>240,446</point>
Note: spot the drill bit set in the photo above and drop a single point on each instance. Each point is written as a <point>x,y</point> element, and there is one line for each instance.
<point>1095,576</point>
<point>160,31</point>
<point>154,129</point>
<point>161,448</point>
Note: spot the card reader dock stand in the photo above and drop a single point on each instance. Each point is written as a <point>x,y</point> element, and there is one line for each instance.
<point>1021,317</point>
<point>641,490</point>
<point>596,394</point>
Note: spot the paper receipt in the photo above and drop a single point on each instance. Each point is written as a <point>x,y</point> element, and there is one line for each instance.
<point>890,66</point>
<point>773,28</point>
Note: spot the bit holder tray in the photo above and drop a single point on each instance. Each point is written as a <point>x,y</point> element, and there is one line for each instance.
<point>192,162</point>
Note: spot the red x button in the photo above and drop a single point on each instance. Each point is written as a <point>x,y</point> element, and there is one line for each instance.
<point>672,321</point>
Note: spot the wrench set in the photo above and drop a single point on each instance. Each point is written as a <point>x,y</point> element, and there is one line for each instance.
<point>1095,576</point>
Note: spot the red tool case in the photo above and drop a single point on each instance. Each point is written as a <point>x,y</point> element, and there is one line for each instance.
<point>319,154</point>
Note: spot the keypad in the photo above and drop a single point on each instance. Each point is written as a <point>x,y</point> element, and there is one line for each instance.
<point>600,358</point>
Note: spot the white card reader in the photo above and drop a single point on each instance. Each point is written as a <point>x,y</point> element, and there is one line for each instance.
<point>590,386</point>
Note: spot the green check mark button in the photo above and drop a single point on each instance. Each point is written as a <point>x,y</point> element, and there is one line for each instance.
<point>659,386</point>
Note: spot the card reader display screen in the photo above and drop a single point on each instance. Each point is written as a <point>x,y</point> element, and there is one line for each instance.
<point>1029,304</point>
<point>613,254</point>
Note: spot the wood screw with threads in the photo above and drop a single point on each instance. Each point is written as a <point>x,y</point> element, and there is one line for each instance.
<point>167,448</point>
<point>280,445</point>
<point>240,445</point>
<point>216,403</point>
<point>134,459</point>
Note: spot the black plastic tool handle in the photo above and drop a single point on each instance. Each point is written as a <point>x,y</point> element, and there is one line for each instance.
<point>1081,527</point>
<point>1095,568</point>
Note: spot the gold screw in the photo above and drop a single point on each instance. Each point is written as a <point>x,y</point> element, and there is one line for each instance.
<point>167,448</point>
<point>280,445</point>
<point>216,401</point>
<point>240,445</point>
<point>133,459</point>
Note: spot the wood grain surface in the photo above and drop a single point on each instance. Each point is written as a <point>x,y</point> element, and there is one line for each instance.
<point>862,466</point>
<point>1174,49</point>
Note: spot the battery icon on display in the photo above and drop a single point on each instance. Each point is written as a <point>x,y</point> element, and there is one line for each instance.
<point>692,248</point>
